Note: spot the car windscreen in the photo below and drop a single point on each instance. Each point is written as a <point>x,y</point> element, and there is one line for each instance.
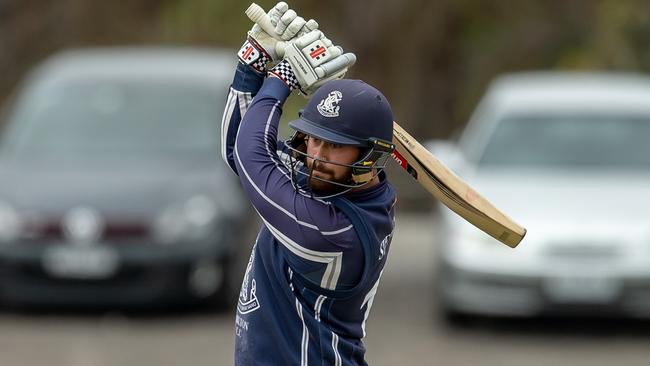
<point>573,141</point>
<point>116,119</point>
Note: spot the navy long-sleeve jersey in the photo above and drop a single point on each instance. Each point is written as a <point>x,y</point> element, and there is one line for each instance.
<point>316,264</point>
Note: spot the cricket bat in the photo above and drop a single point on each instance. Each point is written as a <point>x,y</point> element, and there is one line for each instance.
<point>452,191</point>
<point>433,175</point>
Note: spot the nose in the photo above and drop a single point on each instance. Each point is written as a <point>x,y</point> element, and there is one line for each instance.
<point>319,149</point>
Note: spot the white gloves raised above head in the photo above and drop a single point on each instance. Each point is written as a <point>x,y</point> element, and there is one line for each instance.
<point>308,58</point>
<point>262,47</point>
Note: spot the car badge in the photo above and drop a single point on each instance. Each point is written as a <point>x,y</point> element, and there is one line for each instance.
<point>83,225</point>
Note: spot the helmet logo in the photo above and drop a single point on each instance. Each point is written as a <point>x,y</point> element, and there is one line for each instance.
<point>327,107</point>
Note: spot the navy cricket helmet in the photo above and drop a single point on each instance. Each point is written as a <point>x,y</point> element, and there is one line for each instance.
<point>345,112</point>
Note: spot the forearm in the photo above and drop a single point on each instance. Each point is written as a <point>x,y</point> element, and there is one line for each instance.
<point>268,185</point>
<point>245,86</point>
<point>257,135</point>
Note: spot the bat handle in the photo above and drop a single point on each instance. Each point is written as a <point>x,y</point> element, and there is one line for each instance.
<point>257,14</point>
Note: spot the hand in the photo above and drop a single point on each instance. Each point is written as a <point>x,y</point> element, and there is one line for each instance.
<point>261,48</point>
<point>314,60</point>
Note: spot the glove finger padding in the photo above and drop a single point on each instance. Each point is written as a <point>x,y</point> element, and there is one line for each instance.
<point>334,69</point>
<point>293,28</point>
<point>285,20</point>
<point>311,25</point>
<point>308,38</point>
<point>336,51</point>
<point>277,11</point>
<point>315,60</point>
<point>309,91</point>
<point>337,64</point>
<point>262,48</point>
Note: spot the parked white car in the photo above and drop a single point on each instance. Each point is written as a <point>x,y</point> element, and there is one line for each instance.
<point>568,156</point>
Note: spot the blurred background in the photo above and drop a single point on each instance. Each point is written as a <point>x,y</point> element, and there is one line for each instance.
<point>90,207</point>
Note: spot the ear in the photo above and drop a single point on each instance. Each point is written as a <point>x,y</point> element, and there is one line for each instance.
<point>298,142</point>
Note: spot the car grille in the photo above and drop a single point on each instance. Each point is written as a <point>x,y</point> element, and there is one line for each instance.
<point>53,231</point>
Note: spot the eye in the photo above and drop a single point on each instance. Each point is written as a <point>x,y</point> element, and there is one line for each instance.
<point>316,141</point>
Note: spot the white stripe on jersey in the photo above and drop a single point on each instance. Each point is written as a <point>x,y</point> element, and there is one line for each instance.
<point>330,280</point>
<point>304,351</point>
<point>273,203</point>
<point>335,346</point>
<point>318,305</point>
<point>290,278</point>
<point>225,122</point>
<point>370,297</point>
<point>333,259</point>
<point>244,102</point>
<point>337,231</point>
<point>234,97</point>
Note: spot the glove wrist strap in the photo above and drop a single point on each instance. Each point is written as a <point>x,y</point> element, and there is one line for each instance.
<point>283,71</point>
<point>254,55</point>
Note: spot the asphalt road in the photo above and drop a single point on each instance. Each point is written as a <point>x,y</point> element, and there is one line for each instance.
<point>403,329</point>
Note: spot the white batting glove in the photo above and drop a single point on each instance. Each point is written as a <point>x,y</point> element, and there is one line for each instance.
<point>314,61</point>
<point>261,48</point>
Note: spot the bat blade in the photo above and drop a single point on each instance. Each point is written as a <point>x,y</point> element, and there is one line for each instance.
<point>452,191</point>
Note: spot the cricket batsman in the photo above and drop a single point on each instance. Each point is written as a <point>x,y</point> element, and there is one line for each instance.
<point>326,204</point>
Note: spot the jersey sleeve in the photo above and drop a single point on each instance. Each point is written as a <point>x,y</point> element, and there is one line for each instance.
<point>311,231</point>
<point>244,87</point>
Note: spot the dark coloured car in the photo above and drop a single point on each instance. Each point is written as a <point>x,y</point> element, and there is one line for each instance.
<point>112,187</point>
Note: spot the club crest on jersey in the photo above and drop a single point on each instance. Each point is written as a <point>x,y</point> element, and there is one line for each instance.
<point>327,106</point>
<point>248,301</point>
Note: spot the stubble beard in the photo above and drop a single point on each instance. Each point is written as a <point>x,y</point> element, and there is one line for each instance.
<point>322,187</point>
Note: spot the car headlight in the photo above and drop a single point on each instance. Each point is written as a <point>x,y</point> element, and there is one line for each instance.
<point>192,220</point>
<point>10,223</point>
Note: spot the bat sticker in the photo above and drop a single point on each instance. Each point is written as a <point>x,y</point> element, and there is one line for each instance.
<point>401,160</point>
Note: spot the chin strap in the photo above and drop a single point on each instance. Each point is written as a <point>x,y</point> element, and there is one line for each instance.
<point>362,178</point>
<point>362,172</point>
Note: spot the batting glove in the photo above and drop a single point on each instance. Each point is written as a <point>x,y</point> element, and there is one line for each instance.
<point>284,71</point>
<point>261,48</point>
<point>314,60</point>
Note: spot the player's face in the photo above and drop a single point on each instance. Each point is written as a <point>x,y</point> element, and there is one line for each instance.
<point>341,154</point>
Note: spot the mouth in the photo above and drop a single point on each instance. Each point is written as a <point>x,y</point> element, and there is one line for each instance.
<point>321,173</point>
<point>317,170</point>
